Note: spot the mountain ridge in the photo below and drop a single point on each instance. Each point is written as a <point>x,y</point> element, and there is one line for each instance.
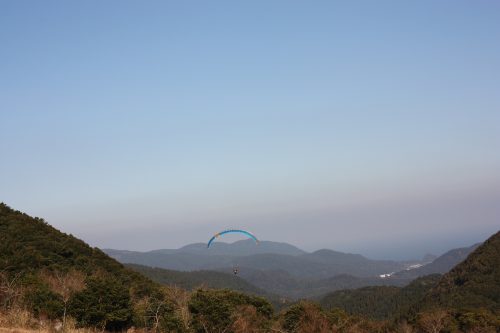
<point>239,248</point>
<point>322,263</point>
<point>307,275</point>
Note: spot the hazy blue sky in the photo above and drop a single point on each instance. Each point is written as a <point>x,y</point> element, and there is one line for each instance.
<point>363,126</point>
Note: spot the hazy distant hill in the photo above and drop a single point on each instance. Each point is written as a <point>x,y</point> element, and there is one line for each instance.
<point>241,248</point>
<point>274,256</point>
<point>285,270</point>
<point>440,265</point>
<point>294,275</point>
<point>354,264</point>
<point>245,247</point>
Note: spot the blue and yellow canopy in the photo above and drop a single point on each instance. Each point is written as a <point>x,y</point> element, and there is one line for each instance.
<point>217,235</point>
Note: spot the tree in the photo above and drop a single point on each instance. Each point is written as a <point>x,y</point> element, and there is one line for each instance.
<point>478,320</point>
<point>307,317</point>
<point>433,321</point>
<point>9,289</point>
<point>404,327</point>
<point>180,298</point>
<point>65,285</point>
<point>104,303</point>
<point>213,310</point>
<point>156,312</point>
<point>246,319</point>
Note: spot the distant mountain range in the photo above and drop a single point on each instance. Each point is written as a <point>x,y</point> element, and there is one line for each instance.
<point>265,256</point>
<point>237,249</point>
<point>240,248</point>
<point>286,270</point>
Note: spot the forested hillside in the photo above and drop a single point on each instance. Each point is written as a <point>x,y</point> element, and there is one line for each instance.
<point>472,284</point>
<point>45,273</point>
<point>282,283</point>
<point>197,279</point>
<point>466,297</point>
<point>57,275</point>
<point>381,302</point>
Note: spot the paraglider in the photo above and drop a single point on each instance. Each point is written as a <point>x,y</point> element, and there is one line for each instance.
<point>236,269</point>
<point>217,235</point>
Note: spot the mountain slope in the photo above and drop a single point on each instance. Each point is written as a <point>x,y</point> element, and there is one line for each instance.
<point>282,283</point>
<point>380,302</point>
<point>469,290</point>
<point>29,244</point>
<point>54,276</point>
<point>173,261</point>
<point>52,273</point>
<point>196,279</point>
<point>353,264</point>
<point>473,283</point>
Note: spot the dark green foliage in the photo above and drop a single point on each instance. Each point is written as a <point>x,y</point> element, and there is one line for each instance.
<point>282,283</point>
<point>380,302</point>
<point>478,318</point>
<point>212,310</point>
<point>474,283</point>
<point>294,315</point>
<point>44,302</point>
<point>206,279</point>
<point>470,290</point>
<point>104,303</point>
<point>157,312</point>
<point>306,316</point>
<point>413,293</point>
<point>374,302</point>
<point>29,246</point>
<point>196,279</point>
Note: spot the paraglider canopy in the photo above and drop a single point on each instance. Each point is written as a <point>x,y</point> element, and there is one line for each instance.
<point>217,235</point>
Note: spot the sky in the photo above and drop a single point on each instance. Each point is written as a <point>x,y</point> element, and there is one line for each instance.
<point>362,126</point>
